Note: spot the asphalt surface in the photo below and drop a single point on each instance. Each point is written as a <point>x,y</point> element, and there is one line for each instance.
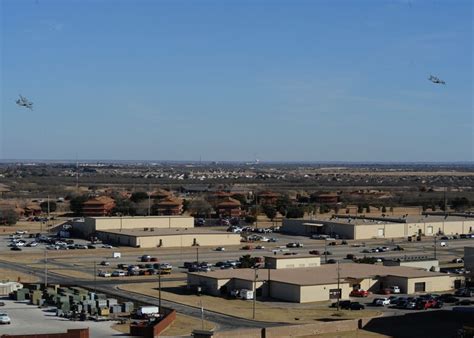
<point>77,260</point>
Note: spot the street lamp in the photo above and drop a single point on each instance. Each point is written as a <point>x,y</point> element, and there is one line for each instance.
<point>254,291</point>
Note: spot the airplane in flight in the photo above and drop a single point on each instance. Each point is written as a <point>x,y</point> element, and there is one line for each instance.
<point>436,80</point>
<point>24,102</point>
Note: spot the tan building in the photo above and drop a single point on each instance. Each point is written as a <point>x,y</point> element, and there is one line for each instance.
<point>469,259</point>
<point>426,264</point>
<point>168,238</point>
<point>291,261</point>
<point>303,285</point>
<point>381,227</point>
<point>89,225</point>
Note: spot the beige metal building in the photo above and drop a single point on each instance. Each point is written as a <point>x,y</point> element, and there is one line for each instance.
<point>469,259</point>
<point>87,226</point>
<point>302,285</point>
<point>426,264</point>
<point>291,261</point>
<point>168,238</point>
<point>381,227</point>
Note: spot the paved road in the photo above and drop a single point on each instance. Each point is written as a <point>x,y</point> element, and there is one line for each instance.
<point>224,322</point>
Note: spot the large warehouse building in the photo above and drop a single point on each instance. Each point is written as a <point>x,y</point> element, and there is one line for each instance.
<point>152,231</point>
<point>303,285</point>
<point>362,227</point>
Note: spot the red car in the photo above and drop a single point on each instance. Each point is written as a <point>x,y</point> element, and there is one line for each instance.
<point>359,293</point>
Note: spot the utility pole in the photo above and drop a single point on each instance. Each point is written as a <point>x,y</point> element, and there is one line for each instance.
<point>325,250</point>
<point>435,246</point>
<point>149,200</point>
<point>95,276</point>
<point>256,210</point>
<point>338,286</point>
<point>197,255</point>
<point>45,269</point>
<point>254,291</point>
<point>159,291</point>
<point>202,315</point>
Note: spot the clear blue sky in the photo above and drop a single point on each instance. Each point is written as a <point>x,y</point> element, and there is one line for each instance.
<point>231,80</point>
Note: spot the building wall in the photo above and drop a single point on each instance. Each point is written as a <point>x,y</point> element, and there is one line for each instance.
<point>210,285</point>
<point>469,258</point>
<point>432,284</point>
<point>317,293</point>
<point>283,263</point>
<point>427,265</point>
<point>90,224</point>
<point>170,241</point>
<point>284,291</point>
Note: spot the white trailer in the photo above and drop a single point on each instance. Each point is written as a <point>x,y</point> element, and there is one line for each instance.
<point>148,311</point>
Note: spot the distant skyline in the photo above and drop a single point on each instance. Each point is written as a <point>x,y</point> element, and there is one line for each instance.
<point>306,81</point>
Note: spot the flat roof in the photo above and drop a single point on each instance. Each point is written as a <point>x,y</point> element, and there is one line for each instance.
<point>393,220</point>
<point>325,274</point>
<point>137,217</point>
<point>166,232</point>
<point>283,256</point>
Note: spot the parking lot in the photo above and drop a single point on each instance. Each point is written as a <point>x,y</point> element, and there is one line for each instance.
<point>45,321</point>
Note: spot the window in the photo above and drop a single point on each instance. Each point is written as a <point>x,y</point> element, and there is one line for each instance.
<point>420,287</point>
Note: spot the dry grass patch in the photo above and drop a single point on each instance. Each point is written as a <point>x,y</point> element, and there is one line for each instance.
<point>349,334</point>
<point>184,326</point>
<point>265,311</point>
<point>12,275</point>
<point>72,273</point>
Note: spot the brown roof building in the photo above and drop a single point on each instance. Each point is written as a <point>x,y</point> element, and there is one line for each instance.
<point>161,194</point>
<point>229,207</point>
<point>329,198</point>
<point>168,206</point>
<point>268,197</point>
<point>98,206</point>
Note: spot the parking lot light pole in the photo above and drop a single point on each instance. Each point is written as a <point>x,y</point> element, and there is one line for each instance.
<point>159,291</point>
<point>325,250</point>
<point>254,291</point>
<point>435,246</point>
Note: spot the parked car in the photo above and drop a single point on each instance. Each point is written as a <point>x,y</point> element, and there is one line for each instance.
<point>118,273</point>
<point>104,263</point>
<point>464,302</point>
<point>357,306</point>
<point>259,247</point>
<point>457,260</point>
<point>220,248</point>
<point>350,256</point>
<point>381,301</point>
<point>15,248</point>
<point>332,261</point>
<point>4,318</point>
<point>145,258</point>
<point>314,252</point>
<point>104,274</point>
<point>359,293</point>
<point>107,246</point>
<point>394,289</point>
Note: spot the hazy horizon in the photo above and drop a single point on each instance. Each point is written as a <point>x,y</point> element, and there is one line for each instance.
<point>286,81</point>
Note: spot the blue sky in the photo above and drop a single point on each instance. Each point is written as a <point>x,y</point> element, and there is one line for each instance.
<point>231,80</point>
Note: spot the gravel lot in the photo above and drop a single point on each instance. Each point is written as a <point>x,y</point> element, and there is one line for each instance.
<point>23,315</point>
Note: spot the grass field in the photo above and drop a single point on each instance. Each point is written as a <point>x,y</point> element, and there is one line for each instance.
<point>13,276</point>
<point>265,311</point>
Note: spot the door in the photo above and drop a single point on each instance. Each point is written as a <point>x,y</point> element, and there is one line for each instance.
<point>429,230</point>
<point>381,232</point>
<point>420,287</point>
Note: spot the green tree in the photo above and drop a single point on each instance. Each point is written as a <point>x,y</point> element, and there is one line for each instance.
<point>367,208</point>
<point>324,208</point>
<point>295,212</point>
<point>250,219</point>
<point>52,206</point>
<point>76,203</point>
<point>124,206</point>
<point>246,261</point>
<point>138,196</point>
<point>282,204</point>
<point>460,203</point>
<point>200,207</point>
<point>8,217</point>
<point>270,211</point>
<point>360,209</point>
<point>384,209</point>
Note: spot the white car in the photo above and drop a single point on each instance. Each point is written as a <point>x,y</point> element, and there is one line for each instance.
<point>21,232</point>
<point>118,273</point>
<point>444,244</point>
<point>165,266</point>
<point>382,301</point>
<point>32,244</point>
<point>4,318</point>
<point>394,289</point>
<point>52,247</point>
<point>104,274</point>
<point>107,246</point>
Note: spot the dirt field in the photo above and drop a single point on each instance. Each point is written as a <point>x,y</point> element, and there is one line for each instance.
<point>293,313</point>
<point>13,276</point>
